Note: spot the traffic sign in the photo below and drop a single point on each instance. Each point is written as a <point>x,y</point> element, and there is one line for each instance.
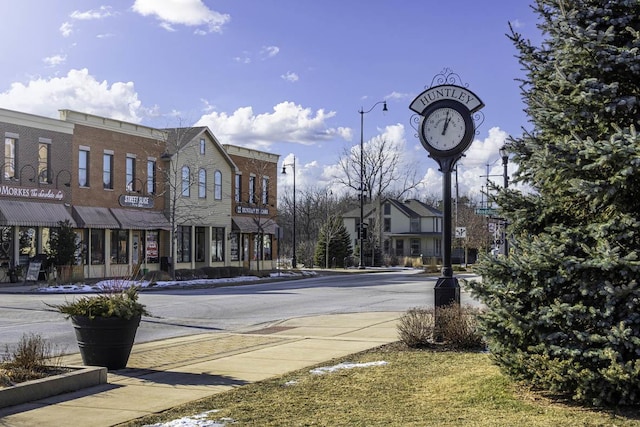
<point>486,211</point>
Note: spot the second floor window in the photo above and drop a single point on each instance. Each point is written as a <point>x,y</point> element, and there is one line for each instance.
<point>186,184</point>
<point>130,174</point>
<point>9,158</point>
<point>252,189</point>
<point>202,184</point>
<point>202,146</point>
<point>44,160</point>
<point>83,168</point>
<point>265,191</point>
<point>151,177</point>
<point>217,185</point>
<point>107,171</point>
<point>238,188</point>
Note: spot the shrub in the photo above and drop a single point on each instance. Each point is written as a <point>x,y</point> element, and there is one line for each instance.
<point>416,327</point>
<point>453,325</point>
<point>459,326</point>
<point>32,358</point>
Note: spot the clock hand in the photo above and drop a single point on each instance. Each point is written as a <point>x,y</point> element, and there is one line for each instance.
<point>446,123</point>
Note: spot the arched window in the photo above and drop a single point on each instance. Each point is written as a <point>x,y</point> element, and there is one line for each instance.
<point>202,184</point>
<point>185,181</point>
<point>217,185</point>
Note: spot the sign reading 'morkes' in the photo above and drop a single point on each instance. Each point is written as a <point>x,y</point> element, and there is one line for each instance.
<point>31,193</point>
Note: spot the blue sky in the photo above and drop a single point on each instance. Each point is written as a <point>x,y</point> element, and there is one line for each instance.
<point>285,76</point>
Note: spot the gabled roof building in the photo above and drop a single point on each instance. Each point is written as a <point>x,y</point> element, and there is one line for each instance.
<point>407,228</point>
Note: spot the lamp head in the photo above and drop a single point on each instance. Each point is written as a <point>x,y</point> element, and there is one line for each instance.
<point>284,170</point>
<point>384,106</point>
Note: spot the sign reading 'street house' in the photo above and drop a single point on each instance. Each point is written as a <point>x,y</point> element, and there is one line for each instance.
<point>132,201</point>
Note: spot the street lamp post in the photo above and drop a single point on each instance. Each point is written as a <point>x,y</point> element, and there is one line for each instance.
<point>294,262</point>
<point>505,160</point>
<point>361,225</point>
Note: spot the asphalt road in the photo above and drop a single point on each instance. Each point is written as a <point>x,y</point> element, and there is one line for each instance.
<point>178,312</point>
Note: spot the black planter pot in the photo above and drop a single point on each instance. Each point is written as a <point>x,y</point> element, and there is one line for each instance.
<point>105,341</point>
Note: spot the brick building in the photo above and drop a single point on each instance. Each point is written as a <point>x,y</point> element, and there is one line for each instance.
<point>254,238</point>
<point>139,198</point>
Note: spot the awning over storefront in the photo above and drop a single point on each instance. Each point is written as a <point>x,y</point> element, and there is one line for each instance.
<point>250,225</point>
<point>141,219</point>
<point>18,213</point>
<point>93,217</point>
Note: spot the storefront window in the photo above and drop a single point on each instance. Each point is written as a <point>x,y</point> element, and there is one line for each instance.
<point>28,243</point>
<point>234,247</point>
<point>266,246</point>
<point>152,247</point>
<point>183,243</point>
<point>262,250</point>
<point>217,244</point>
<point>200,244</point>
<point>119,246</point>
<point>5,244</point>
<point>97,247</point>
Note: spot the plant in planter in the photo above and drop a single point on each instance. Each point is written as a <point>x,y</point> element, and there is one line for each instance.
<point>14,272</point>
<point>105,326</point>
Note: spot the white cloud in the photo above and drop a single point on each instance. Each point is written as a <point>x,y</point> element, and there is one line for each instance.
<point>191,13</point>
<point>270,51</point>
<point>290,77</point>
<point>54,60</point>
<point>288,122</point>
<point>66,29</point>
<point>78,90</point>
<point>102,12</point>
<point>243,59</point>
<point>481,162</point>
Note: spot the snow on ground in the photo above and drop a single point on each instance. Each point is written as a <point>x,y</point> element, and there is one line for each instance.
<point>201,420</point>
<point>115,284</point>
<point>345,365</point>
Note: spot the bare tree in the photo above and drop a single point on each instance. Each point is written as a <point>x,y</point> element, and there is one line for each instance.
<point>385,171</point>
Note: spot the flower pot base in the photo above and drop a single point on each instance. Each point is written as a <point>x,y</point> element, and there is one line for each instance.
<point>105,341</point>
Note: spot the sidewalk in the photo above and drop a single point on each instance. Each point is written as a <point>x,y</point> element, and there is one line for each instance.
<point>167,373</point>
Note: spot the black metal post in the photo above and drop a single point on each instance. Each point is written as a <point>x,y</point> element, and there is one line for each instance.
<point>294,261</point>
<point>505,160</point>
<point>447,289</point>
<point>361,226</point>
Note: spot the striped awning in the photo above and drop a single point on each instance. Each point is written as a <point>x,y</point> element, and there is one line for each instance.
<point>252,225</point>
<point>33,214</point>
<point>94,217</point>
<point>141,219</point>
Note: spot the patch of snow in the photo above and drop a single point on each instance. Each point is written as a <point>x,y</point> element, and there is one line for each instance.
<point>345,365</point>
<point>199,420</point>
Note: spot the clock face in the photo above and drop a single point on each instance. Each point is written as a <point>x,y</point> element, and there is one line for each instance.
<point>444,129</point>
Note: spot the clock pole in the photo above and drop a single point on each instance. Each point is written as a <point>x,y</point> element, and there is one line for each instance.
<point>447,289</point>
<point>446,113</point>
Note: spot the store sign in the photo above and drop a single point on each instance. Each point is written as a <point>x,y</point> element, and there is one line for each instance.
<point>131,201</point>
<point>252,210</point>
<point>31,193</point>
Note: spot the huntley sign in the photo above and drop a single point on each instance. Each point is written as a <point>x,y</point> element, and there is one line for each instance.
<point>31,193</point>
<point>443,92</point>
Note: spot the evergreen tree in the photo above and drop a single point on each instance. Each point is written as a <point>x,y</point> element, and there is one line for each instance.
<point>564,307</point>
<point>334,232</point>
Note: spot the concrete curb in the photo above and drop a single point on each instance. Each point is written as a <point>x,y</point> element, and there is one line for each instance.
<point>80,377</point>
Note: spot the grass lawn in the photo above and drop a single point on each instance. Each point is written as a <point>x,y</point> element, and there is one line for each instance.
<point>414,388</point>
